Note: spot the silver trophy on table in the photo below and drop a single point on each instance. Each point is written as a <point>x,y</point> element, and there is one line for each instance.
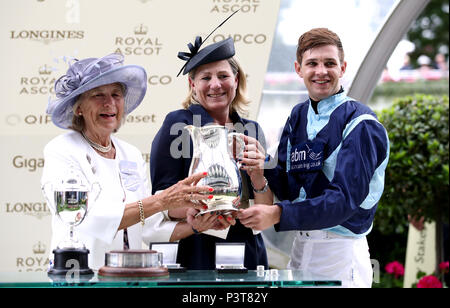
<point>69,197</point>
<point>215,151</point>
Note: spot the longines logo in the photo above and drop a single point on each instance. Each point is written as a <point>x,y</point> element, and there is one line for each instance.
<point>46,36</point>
<point>41,83</point>
<point>230,6</point>
<point>139,43</point>
<point>38,209</point>
<point>37,262</point>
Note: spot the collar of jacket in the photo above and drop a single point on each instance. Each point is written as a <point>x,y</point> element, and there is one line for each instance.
<point>205,118</point>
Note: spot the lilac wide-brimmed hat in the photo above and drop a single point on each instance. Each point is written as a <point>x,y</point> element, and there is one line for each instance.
<point>87,74</point>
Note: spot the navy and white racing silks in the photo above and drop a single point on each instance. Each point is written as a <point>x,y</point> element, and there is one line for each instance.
<point>331,166</point>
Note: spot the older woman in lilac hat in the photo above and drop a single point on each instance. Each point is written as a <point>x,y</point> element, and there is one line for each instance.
<point>92,101</point>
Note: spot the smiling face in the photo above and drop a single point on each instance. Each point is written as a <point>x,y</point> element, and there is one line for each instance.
<point>102,109</point>
<point>321,70</point>
<point>214,85</point>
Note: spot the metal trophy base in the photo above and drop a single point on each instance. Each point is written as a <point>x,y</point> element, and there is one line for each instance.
<point>129,272</point>
<point>218,211</point>
<point>63,265</point>
<point>133,263</point>
<point>221,207</point>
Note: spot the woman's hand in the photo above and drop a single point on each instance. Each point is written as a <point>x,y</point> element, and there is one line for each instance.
<point>185,193</point>
<point>226,220</point>
<point>202,222</point>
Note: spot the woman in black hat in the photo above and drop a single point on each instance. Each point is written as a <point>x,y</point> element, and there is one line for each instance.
<point>217,87</point>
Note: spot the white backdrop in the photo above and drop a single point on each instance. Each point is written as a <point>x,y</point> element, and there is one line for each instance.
<point>36,36</point>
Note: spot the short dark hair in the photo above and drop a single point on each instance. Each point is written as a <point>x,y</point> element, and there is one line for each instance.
<point>318,37</point>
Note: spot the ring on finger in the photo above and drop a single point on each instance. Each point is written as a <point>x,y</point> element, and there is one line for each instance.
<point>191,198</point>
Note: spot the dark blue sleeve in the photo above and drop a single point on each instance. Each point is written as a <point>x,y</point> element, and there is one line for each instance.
<point>275,169</point>
<point>362,151</point>
<point>167,155</point>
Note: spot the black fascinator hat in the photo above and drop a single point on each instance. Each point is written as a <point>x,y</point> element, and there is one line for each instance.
<point>215,52</point>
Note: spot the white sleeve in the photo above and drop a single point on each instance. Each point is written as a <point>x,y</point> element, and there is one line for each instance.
<point>158,228</point>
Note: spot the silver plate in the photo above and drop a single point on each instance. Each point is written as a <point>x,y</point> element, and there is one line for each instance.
<point>133,258</point>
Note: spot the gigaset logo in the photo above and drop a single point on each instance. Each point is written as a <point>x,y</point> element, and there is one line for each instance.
<point>30,164</point>
<point>138,44</point>
<point>47,36</point>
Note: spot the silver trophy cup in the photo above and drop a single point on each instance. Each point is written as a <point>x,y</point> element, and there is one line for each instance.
<point>69,198</point>
<point>215,150</point>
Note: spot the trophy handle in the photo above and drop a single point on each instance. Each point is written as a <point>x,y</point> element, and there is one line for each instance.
<point>46,189</point>
<point>240,151</point>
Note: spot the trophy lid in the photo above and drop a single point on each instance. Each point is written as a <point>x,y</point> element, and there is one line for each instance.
<point>73,181</point>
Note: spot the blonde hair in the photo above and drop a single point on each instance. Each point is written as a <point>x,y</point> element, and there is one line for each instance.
<point>240,101</point>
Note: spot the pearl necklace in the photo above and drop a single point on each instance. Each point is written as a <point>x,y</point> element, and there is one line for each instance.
<point>97,146</point>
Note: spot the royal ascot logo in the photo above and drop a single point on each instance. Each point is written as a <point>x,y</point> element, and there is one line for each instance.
<point>230,6</point>
<point>139,43</point>
<point>46,36</point>
<point>37,262</point>
<point>40,83</point>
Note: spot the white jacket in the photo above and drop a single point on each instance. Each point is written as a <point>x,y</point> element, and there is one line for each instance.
<point>123,180</point>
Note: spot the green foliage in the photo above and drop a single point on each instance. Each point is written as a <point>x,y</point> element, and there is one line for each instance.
<point>388,281</point>
<point>397,89</point>
<point>429,31</point>
<point>417,176</point>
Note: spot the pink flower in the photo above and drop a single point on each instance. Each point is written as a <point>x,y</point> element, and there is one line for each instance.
<point>395,268</point>
<point>443,267</point>
<point>429,281</point>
